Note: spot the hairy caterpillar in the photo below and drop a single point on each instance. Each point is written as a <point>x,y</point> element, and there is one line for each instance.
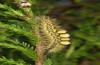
<point>53,37</point>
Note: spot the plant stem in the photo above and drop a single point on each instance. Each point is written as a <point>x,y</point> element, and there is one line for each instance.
<point>40,54</point>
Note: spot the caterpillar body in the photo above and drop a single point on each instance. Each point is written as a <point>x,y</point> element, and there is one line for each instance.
<point>52,36</point>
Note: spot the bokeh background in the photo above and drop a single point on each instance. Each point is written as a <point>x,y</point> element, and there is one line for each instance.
<point>82,20</point>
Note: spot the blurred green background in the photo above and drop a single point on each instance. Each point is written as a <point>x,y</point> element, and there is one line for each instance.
<point>82,20</point>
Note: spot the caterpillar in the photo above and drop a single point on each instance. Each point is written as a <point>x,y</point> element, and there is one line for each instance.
<point>52,36</point>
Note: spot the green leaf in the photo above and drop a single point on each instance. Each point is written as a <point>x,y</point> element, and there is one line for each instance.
<point>47,62</point>
<point>26,51</point>
<point>6,61</point>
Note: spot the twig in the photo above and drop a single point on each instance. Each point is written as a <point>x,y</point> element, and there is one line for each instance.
<point>40,54</point>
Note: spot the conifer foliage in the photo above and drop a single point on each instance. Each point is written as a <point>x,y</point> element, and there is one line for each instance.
<point>19,34</point>
<point>17,40</point>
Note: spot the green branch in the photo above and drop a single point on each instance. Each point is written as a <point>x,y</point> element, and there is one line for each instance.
<point>10,10</point>
<point>21,31</point>
<point>11,62</point>
<point>26,51</point>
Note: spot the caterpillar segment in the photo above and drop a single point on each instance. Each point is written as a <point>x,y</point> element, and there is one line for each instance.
<point>53,37</point>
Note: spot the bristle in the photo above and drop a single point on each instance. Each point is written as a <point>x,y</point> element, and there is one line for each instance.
<point>64,38</point>
<point>54,30</point>
<point>61,31</point>
<point>65,42</point>
<point>64,35</point>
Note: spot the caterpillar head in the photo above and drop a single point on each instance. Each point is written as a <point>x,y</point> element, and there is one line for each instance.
<point>53,37</point>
